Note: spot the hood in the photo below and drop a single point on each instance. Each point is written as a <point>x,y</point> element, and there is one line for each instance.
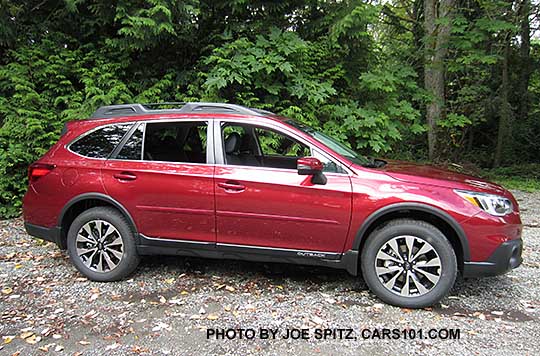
<point>425,174</point>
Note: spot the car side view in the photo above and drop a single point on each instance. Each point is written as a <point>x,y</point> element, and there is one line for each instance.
<point>224,181</point>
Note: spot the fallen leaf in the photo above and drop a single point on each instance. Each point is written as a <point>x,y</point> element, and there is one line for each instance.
<point>212,317</point>
<point>169,280</point>
<point>112,347</point>
<point>495,312</point>
<point>18,265</point>
<point>33,339</point>
<point>8,339</point>
<point>26,334</point>
<point>184,292</point>
<point>227,308</point>
<point>84,342</point>
<point>59,348</point>
<point>7,290</point>
<point>162,299</point>
<point>230,289</point>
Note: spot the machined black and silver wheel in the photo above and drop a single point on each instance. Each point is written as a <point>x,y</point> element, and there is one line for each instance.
<point>101,245</point>
<point>408,266</point>
<point>409,263</point>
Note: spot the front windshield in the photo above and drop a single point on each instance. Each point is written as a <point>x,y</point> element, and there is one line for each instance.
<point>331,143</point>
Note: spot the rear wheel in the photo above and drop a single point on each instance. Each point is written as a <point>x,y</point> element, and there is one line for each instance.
<point>101,245</point>
<point>409,263</point>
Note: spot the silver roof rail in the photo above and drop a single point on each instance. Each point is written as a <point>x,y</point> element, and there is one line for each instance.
<point>178,108</point>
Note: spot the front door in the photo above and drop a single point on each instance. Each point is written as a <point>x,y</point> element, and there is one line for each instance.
<point>262,202</point>
<point>162,177</point>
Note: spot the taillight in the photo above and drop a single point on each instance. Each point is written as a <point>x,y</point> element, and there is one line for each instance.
<point>38,170</point>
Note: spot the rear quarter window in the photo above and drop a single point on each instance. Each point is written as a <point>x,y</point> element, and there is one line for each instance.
<point>101,142</point>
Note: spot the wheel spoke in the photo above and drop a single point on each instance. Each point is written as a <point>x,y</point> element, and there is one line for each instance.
<point>432,277</point>
<point>419,286</point>
<point>85,239</point>
<point>409,241</point>
<point>392,281</point>
<point>405,291</point>
<point>116,242</point>
<point>110,230</point>
<point>99,224</point>
<point>88,261</point>
<point>389,269</point>
<point>84,251</point>
<point>110,264</point>
<point>423,250</point>
<point>436,262</point>
<point>386,257</point>
<point>86,228</point>
<point>394,247</point>
<point>116,254</point>
<point>99,266</point>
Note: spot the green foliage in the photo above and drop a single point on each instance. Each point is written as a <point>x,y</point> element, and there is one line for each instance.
<point>351,68</point>
<point>524,177</point>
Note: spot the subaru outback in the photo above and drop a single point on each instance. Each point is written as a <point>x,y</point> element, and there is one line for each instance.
<point>225,181</point>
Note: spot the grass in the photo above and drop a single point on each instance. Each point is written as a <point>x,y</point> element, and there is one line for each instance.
<point>525,177</point>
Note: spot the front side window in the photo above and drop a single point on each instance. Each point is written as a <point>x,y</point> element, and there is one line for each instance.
<point>101,142</point>
<point>183,142</point>
<point>249,145</point>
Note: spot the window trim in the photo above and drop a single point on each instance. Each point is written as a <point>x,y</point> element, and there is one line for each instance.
<point>219,146</point>
<point>89,132</point>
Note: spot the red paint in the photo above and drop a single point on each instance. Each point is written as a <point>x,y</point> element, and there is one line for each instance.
<point>257,206</point>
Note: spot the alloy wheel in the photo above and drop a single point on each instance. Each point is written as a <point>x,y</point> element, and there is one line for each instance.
<point>408,266</point>
<point>99,245</point>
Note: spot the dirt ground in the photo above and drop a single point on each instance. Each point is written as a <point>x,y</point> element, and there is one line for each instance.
<point>169,304</point>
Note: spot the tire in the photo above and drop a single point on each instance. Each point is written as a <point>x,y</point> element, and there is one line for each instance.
<point>432,256</point>
<point>101,245</point>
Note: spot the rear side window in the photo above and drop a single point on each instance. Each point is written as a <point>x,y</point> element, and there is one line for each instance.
<point>183,142</point>
<point>100,143</point>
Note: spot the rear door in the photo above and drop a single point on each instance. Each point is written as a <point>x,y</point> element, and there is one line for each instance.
<point>163,175</point>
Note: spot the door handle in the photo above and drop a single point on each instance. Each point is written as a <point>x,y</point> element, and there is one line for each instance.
<point>232,186</point>
<point>125,176</point>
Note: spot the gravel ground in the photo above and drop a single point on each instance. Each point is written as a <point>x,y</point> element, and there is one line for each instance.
<point>169,304</point>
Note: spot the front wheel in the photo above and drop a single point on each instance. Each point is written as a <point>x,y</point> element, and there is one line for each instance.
<point>101,245</point>
<point>409,263</point>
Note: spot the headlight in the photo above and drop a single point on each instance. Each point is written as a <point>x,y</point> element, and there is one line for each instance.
<point>490,203</point>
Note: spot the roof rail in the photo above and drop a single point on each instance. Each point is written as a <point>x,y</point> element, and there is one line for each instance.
<point>181,108</point>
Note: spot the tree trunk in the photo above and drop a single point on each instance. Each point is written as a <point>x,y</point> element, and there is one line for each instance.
<point>437,24</point>
<point>525,60</point>
<point>505,114</point>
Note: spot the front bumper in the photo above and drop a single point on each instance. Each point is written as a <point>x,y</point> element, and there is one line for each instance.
<point>505,258</point>
<point>44,233</point>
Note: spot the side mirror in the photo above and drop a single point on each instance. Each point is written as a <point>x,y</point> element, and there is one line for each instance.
<point>311,166</point>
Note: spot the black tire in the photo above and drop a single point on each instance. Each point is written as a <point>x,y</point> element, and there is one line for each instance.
<point>129,260</point>
<point>424,232</point>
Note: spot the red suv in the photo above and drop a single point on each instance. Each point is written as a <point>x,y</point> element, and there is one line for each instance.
<point>225,181</point>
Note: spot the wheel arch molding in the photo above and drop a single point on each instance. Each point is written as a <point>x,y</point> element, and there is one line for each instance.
<point>415,211</point>
<point>93,199</point>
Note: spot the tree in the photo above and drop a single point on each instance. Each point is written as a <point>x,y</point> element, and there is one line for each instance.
<point>437,26</point>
